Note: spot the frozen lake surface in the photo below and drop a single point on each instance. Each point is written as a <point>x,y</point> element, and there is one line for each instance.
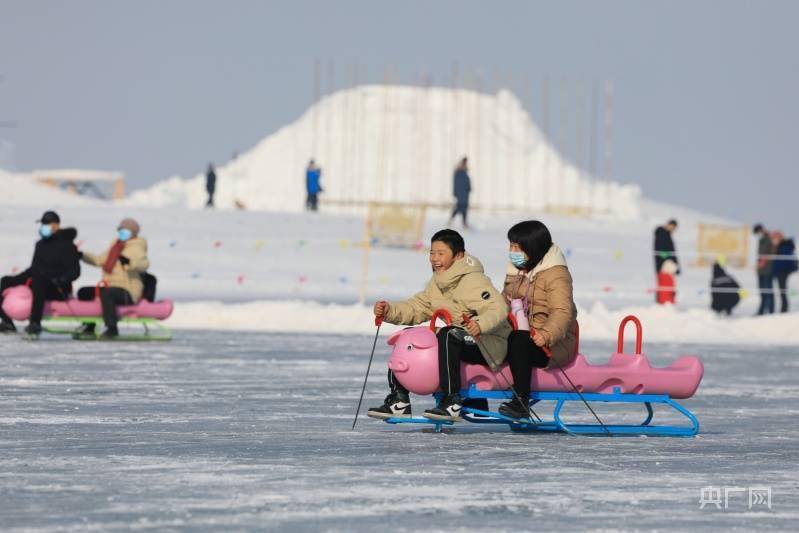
<point>223,431</point>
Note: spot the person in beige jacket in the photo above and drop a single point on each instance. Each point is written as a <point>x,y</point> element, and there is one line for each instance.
<point>538,275</point>
<point>459,286</point>
<point>122,264</point>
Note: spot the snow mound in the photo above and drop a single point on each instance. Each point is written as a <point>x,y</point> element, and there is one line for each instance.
<point>400,144</point>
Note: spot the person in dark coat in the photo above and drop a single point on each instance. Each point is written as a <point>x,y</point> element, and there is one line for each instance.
<point>313,186</point>
<point>724,291</point>
<point>665,254</point>
<point>462,187</point>
<point>210,184</point>
<point>783,265</point>
<point>765,270</point>
<point>55,265</point>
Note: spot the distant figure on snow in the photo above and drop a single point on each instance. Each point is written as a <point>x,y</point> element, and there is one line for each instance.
<point>784,265</point>
<point>462,187</point>
<point>313,186</point>
<point>667,266</point>
<point>210,184</point>
<point>724,290</point>
<point>765,270</point>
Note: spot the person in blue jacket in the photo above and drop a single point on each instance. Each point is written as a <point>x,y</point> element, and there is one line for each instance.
<point>313,175</point>
<point>784,264</point>
<point>462,187</point>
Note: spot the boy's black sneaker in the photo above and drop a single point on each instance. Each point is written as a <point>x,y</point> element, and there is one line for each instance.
<point>516,409</point>
<point>396,405</point>
<point>449,409</point>
<point>110,334</point>
<point>7,327</point>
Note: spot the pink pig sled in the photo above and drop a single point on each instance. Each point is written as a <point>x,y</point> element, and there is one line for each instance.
<point>64,317</point>
<point>626,379</point>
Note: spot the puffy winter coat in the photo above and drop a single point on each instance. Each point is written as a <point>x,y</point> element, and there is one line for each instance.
<point>312,180</point>
<point>664,249</point>
<point>462,289</point>
<point>547,291</point>
<point>128,276</point>
<point>724,290</point>
<point>56,258</point>
<point>785,265</point>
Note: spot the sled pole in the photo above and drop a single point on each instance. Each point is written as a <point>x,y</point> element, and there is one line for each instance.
<point>378,323</point>
<point>574,388</point>
<point>466,320</point>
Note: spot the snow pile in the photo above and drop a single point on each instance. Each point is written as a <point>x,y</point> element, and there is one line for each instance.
<point>400,144</point>
<point>660,323</point>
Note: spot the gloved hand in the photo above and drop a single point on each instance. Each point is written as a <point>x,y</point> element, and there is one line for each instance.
<point>80,254</point>
<point>124,260</point>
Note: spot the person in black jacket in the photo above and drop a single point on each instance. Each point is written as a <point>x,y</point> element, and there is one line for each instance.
<point>461,188</point>
<point>724,291</point>
<point>210,184</point>
<point>664,246</point>
<point>55,265</point>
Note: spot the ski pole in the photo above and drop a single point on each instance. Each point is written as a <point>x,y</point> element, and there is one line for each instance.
<point>466,320</point>
<point>378,323</point>
<point>574,388</point>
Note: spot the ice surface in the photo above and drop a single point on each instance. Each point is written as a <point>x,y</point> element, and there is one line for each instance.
<point>220,431</point>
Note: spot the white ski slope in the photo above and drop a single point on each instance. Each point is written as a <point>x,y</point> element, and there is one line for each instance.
<point>400,144</point>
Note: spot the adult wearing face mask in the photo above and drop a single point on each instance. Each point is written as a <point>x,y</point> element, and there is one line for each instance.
<point>122,264</point>
<point>54,267</point>
<point>539,277</point>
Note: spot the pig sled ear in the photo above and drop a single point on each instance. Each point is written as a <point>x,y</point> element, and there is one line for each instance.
<point>392,340</point>
<point>419,337</point>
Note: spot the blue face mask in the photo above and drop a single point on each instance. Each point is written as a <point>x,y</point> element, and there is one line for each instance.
<point>124,234</point>
<point>45,231</point>
<point>518,259</point>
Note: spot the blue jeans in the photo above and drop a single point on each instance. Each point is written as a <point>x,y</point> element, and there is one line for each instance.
<point>765,283</point>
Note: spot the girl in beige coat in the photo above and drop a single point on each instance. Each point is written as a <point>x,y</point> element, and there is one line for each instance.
<point>460,286</point>
<point>538,275</point>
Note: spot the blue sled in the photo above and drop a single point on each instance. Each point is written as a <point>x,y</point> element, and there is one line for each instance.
<point>557,425</point>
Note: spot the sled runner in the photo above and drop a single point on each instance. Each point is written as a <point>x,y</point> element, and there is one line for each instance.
<point>66,317</point>
<point>626,379</point>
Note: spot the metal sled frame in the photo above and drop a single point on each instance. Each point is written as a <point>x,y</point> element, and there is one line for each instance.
<point>558,425</point>
<point>154,330</point>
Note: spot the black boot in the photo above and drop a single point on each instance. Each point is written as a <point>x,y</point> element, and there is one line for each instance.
<point>110,333</point>
<point>33,330</point>
<point>516,409</point>
<point>396,405</point>
<point>7,327</point>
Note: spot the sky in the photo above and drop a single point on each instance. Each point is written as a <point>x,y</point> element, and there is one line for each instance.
<point>705,111</point>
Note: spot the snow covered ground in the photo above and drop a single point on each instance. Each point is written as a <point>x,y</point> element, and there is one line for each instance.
<point>251,431</point>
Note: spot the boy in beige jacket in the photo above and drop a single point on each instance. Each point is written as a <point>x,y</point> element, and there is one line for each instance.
<point>460,286</point>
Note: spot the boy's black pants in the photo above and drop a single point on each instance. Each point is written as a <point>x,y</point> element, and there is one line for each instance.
<point>455,345</point>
